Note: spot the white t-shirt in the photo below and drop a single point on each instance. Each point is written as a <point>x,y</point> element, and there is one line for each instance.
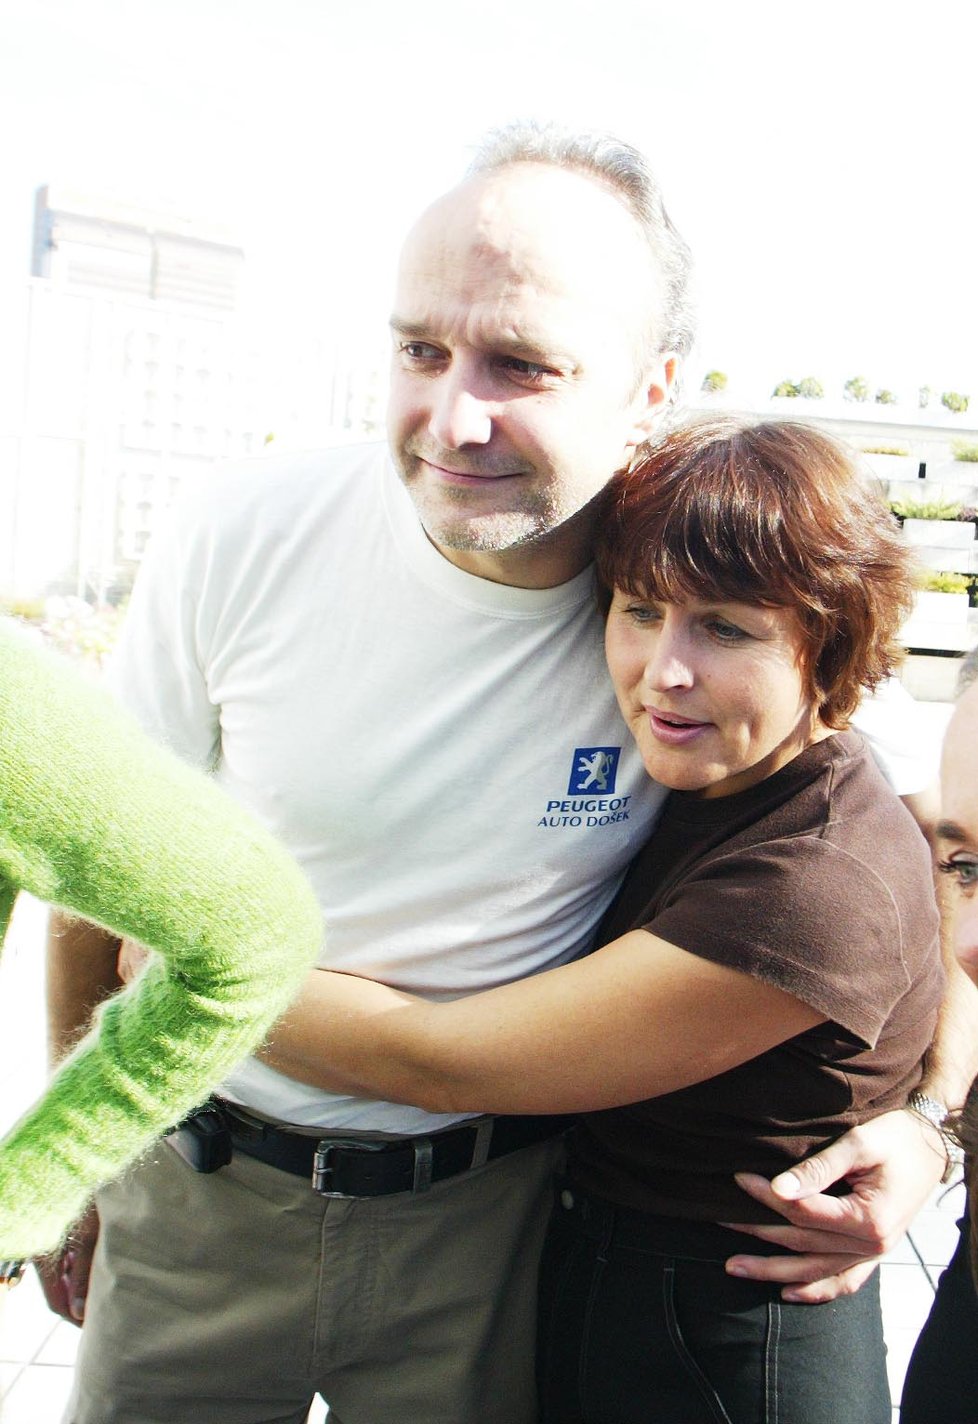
<point>443,755</point>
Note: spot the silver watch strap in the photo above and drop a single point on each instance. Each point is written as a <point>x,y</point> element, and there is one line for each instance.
<point>937,1114</point>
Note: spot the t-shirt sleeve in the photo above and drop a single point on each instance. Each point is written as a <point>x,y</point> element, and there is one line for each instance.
<point>159,668</point>
<point>800,914</point>
<point>902,740</point>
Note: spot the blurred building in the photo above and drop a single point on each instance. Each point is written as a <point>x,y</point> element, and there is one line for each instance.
<point>91,244</point>
<point>126,369</point>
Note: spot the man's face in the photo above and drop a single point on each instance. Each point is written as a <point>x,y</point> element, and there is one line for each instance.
<point>521,379</point>
<point>957,830</point>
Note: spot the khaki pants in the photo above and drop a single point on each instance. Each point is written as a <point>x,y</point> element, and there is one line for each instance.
<point>233,1298</point>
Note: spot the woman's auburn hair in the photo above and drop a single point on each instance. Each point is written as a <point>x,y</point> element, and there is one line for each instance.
<point>773,513</point>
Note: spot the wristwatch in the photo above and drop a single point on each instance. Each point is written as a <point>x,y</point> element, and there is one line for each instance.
<point>938,1116</point>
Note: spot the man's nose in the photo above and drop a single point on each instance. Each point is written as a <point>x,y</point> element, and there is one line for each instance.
<point>459,414</point>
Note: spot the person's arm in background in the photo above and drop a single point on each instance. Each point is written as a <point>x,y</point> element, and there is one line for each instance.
<point>157,672</point>
<point>98,819</point>
<point>82,970</point>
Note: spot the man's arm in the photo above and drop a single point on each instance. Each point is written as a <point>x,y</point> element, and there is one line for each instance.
<point>82,970</point>
<point>82,962</point>
<point>891,1164</point>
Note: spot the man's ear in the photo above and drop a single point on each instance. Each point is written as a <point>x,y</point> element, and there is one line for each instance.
<point>655,395</point>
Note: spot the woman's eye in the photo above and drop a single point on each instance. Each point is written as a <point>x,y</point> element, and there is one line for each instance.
<point>964,870</point>
<point>726,632</point>
<point>642,613</point>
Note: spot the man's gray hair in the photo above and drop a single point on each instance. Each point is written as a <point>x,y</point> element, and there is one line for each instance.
<point>625,171</point>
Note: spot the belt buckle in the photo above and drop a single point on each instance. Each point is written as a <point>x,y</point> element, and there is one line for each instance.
<point>323,1169</point>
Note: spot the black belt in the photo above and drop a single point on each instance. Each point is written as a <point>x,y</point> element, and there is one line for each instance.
<point>339,1166</point>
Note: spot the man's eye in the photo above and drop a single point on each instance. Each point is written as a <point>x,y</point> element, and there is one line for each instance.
<point>419,351</point>
<point>964,869</point>
<point>529,372</point>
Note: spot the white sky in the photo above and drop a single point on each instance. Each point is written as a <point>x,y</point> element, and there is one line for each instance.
<point>820,158</point>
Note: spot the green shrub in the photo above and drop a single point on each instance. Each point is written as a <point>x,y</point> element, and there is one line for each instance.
<point>811,388</point>
<point>28,610</point>
<point>955,402</point>
<point>714,381</point>
<point>70,625</point>
<point>856,389</point>
<point>965,450</point>
<point>926,508</point>
<point>885,397</point>
<point>786,388</point>
<point>885,450</point>
<point>934,581</point>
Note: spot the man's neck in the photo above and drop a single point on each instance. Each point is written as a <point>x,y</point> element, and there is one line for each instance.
<point>547,562</point>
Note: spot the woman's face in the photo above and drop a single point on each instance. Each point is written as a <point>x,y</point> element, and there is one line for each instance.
<point>957,831</point>
<point>713,693</point>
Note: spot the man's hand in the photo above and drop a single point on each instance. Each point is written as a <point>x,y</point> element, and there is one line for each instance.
<point>891,1166</point>
<point>64,1275</point>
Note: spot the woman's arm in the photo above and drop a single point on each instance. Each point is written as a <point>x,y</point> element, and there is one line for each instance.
<point>95,818</point>
<point>638,1018</point>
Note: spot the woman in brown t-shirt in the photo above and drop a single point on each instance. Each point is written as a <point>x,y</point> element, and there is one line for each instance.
<point>770,974</point>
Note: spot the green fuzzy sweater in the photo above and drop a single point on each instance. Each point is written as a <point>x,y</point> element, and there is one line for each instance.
<point>96,819</point>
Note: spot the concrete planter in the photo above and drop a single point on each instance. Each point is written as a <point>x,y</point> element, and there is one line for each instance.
<point>934,607</point>
<point>940,622</point>
<point>948,561</point>
<point>893,467</point>
<point>939,533</point>
<point>953,472</point>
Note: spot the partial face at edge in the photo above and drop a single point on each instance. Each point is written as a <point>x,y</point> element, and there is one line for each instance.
<point>958,828</point>
<point>713,693</point>
<point>520,315</point>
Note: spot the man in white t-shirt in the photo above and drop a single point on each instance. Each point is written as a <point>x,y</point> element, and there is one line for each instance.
<point>396,663</point>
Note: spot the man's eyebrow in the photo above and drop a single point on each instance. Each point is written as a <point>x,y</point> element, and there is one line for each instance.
<point>407,328</point>
<point>519,344</point>
<point>951,831</point>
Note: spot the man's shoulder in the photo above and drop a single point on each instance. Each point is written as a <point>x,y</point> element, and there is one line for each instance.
<point>296,476</point>
<point>247,502</point>
<point>901,737</point>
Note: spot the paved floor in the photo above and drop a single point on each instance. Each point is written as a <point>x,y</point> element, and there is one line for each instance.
<point>37,1351</point>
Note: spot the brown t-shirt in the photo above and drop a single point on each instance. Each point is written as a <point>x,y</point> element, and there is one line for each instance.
<point>816,880</point>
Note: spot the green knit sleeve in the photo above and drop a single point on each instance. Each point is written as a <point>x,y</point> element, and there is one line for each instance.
<point>97,819</point>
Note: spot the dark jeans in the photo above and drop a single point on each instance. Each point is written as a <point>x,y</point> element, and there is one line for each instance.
<point>942,1380</point>
<point>640,1324</point>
